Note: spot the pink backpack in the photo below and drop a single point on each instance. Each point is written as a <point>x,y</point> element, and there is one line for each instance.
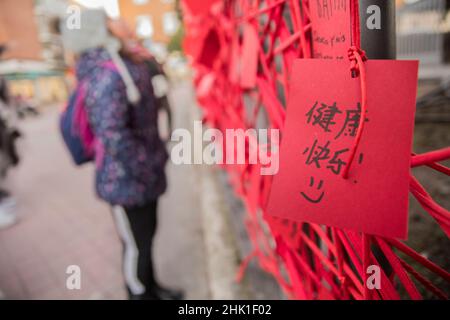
<point>75,128</point>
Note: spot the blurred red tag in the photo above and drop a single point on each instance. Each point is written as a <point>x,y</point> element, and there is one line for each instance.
<point>199,7</point>
<point>250,52</point>
<point>330,25</point>
<point>322,119</point>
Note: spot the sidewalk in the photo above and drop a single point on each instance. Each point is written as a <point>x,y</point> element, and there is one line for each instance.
<point>62,224</point>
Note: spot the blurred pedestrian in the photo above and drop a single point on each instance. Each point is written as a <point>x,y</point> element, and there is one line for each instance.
<point>130,156</point>
<point>8,153</point>
<point>23,107</point>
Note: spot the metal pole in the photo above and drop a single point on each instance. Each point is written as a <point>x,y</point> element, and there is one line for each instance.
<point>378,34</point>
<point>378,40</point>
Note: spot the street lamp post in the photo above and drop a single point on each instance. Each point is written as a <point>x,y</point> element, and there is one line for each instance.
<point>378,34</point>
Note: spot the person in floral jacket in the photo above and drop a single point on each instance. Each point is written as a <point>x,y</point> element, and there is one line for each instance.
<point>131,171</point>
<point>131,157</point>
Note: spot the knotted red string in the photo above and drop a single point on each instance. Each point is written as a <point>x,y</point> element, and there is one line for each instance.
<point>357,58</point>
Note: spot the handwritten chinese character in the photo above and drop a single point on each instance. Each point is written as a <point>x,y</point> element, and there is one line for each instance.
<point>323,115</point>
<point>335,164</point>
<point>317,154</point>
<point>351,122</point>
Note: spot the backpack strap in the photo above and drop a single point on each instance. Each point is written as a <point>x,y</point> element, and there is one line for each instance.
<point>132,91</point>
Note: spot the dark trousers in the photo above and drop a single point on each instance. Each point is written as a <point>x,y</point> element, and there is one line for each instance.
<point>137,227</point>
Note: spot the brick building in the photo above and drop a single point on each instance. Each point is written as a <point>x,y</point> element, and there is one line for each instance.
<point>154,20</point>
<point>34,63</point>
<point>20,29</point>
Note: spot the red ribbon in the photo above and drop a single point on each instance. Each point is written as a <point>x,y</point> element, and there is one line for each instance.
<point>357,58</point>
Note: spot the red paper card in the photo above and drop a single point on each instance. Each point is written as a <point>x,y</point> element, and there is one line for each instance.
<point>330,25</point>
<point>321,123</point>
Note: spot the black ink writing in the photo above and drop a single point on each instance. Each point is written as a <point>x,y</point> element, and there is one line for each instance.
<point>323,115</point>
<point>316,197</point>
<point>326,8</point>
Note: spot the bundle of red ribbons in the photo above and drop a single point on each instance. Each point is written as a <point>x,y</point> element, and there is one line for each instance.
<point>242,52</point>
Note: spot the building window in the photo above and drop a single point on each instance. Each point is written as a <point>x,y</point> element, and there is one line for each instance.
<point>170,23</point>
<point>140,2</point>
<point>144,26</point>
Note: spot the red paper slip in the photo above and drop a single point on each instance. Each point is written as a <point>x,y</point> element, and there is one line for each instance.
<point>331,30</point>
<point>322,120</point>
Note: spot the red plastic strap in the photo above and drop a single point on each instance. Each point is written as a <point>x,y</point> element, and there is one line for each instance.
<point>366,263</point>
<point>243,267</point>
<point>436,166</point>
<point>425,262</point>
<point>398,269</point>
<point>430,157</point>
<point>427,283</point>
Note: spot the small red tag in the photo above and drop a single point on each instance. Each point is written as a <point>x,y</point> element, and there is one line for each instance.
<point>322,120</point>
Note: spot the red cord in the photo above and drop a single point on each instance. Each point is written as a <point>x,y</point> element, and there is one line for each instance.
<point>357,58</point>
